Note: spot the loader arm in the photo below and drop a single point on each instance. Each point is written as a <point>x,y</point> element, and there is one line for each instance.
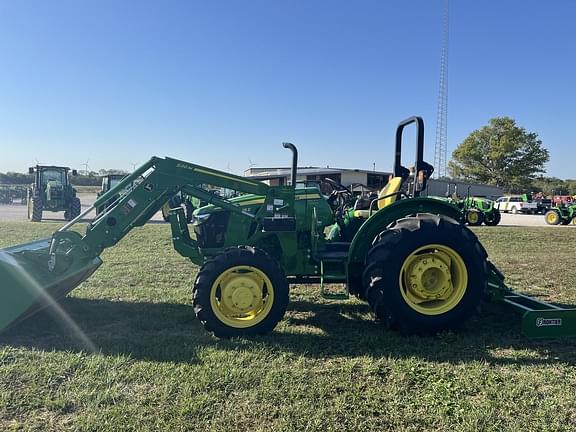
<point>146,190</point>
<point>34,275</point>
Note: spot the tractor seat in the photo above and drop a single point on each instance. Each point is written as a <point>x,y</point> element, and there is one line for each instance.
<point>392,187</point>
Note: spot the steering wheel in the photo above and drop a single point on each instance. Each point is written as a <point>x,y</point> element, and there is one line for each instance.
<point>337,186</point>
<point>338,198</point>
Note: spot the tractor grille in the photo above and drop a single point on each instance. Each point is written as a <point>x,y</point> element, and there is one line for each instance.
<point>56,193</point>
<point>212,232</point>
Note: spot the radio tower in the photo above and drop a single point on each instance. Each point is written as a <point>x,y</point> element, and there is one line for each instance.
<point>441,147</point>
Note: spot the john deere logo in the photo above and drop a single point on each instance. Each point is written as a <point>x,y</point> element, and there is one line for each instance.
<point>545,322</point>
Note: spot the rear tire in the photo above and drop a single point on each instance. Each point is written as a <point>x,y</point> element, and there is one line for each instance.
<point>241,292</point>
<point>76,207</point>
<point>453,260</point>
<point>493,218</point>
<point>74,210</point>
<point>514,210</point>
<point>35,209</point>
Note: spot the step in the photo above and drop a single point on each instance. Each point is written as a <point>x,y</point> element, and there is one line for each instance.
<point>337,275</point>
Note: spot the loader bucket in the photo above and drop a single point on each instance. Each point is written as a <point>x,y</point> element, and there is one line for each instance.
<point>27,285</point>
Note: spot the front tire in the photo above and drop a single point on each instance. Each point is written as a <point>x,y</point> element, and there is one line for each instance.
<point>241,292</point>
<point>425,274</point>
<point>474,217</point>
<point>552,217</point>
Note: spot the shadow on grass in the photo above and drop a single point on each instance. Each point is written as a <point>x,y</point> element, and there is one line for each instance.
<point>170,333</point>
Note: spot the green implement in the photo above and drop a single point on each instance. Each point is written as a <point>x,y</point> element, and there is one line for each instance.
<point>539,319</point>
<point>30,283</point>
<point>411,258</point>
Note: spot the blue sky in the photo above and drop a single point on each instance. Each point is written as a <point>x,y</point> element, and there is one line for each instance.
<point>223,83</point>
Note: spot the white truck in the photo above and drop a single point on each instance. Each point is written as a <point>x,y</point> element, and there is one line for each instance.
<point>515,204</point>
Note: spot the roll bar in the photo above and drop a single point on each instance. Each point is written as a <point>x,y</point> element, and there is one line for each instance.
<point>419,166</point>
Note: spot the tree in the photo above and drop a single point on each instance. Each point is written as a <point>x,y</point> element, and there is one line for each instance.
<point>501,154</point>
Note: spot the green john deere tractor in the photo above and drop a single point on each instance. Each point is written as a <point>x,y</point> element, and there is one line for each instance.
<point>476,210</point>
<point>561,214</point>
<point>480,210</point>
<point>108,182</point>
<point>410,257</point>
<point>52,191</point>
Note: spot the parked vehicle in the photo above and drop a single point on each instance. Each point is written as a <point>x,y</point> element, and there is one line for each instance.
<point>562,214</point>
<point>476,210</point>
<point>52,191</point>
<point>108,182</point>
<point>409,257</point>
<point>515,204</point>
<point>543,205</point>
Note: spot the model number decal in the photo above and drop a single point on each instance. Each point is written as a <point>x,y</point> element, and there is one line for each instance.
<point>546,322</point>
<point>127,208</point>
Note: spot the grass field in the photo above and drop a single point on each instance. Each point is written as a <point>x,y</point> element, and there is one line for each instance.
<point>145,363</point>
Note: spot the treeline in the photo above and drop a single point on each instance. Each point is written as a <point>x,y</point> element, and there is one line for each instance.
<point>553,186</point>
<point>93,178</point>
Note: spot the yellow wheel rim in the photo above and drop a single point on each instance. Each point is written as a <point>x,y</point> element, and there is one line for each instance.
<point>473,217</point>
<point>242,296</point>
<point>433,279</point>
<point>551,218</point>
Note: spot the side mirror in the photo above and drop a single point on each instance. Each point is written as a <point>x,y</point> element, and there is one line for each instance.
<point>31,170</point>
<point>74,172</point>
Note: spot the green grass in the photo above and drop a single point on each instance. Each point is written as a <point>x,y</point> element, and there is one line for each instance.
<point>327,367</point>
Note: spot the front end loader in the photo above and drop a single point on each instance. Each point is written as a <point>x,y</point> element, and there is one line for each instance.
<point>410,257</point>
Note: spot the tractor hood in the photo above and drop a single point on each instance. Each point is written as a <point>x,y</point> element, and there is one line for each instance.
<point>247,200</point>
<point>482,203</point>
<point>251,200</point>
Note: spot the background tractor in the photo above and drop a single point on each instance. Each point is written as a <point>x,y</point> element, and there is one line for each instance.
<point>478,210</point>
<point>561,214</point>
<point>52,191</point>
<point>410,257</point>
<point>475,210</point>
<point>108,182</point>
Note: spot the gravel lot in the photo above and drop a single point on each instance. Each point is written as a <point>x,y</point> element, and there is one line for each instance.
<point>18,212</point>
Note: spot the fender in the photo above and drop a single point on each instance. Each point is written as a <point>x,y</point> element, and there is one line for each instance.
<point>362,241</point>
